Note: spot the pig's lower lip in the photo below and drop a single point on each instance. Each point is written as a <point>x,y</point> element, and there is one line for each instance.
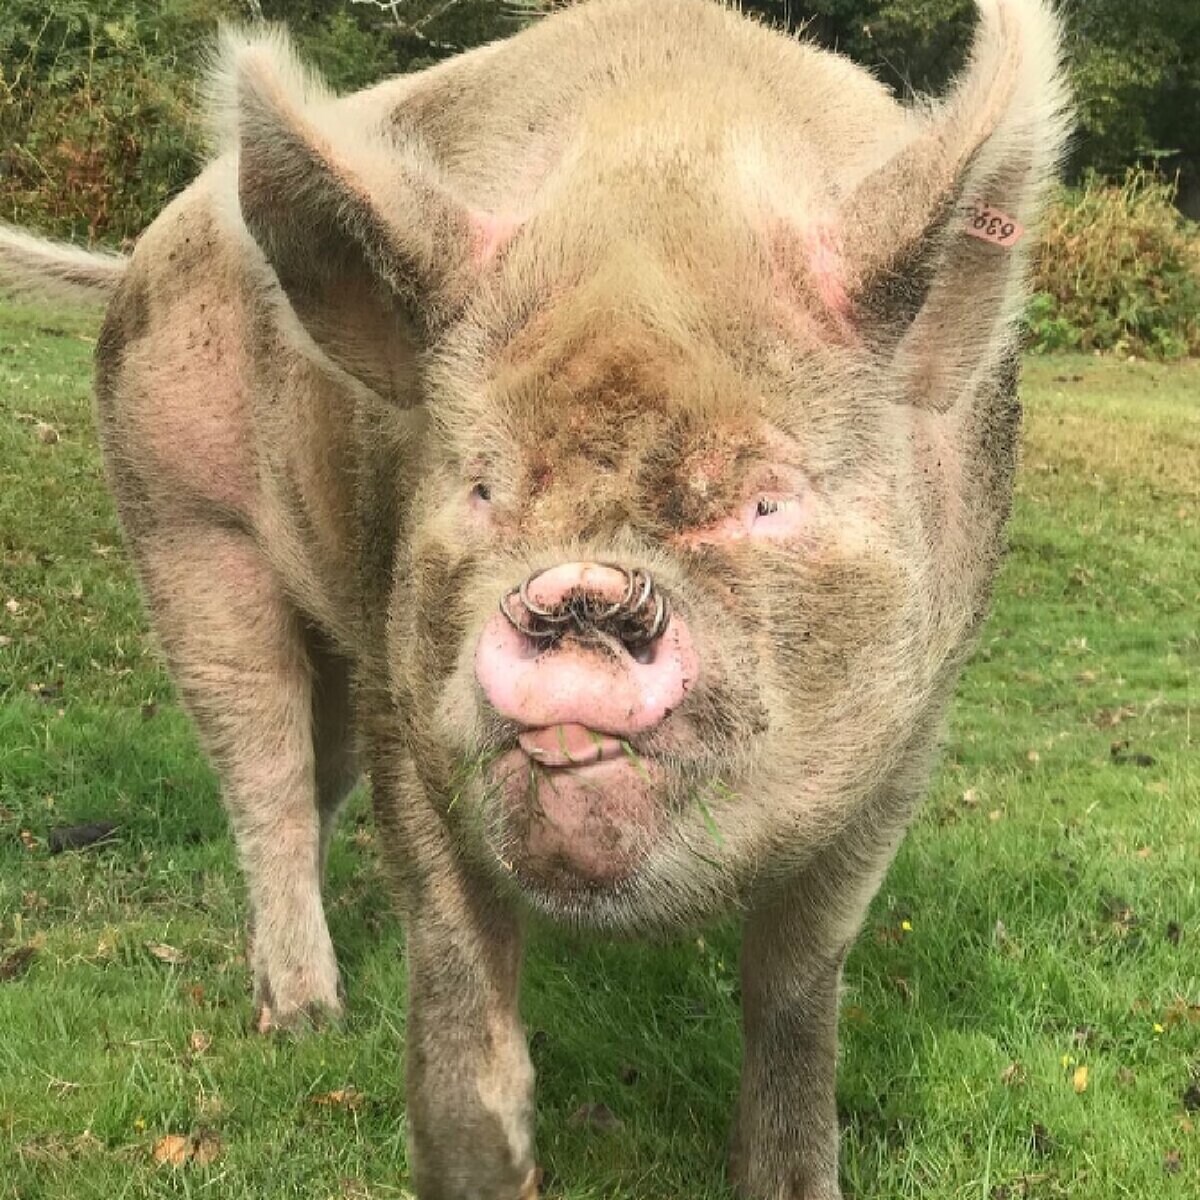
<point>569,746</point>
<point>567,821</point>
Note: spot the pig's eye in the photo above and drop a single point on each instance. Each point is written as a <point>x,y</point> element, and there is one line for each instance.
<point>774,517</point>
<point>480,501</point>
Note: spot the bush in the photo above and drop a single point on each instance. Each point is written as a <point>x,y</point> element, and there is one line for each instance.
<point>100,123</point>
<point>98,114</point>
<point>1118,269</point>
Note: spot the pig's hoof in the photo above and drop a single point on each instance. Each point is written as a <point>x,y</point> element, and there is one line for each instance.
<point>298,1010</point>
<point>529,1189</point>
<point>312,1016</point>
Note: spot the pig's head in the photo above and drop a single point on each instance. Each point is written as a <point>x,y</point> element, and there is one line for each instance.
<point>718,451</point>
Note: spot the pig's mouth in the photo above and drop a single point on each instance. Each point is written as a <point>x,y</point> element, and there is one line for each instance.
<point>578,807</point>
<point>570,745</point>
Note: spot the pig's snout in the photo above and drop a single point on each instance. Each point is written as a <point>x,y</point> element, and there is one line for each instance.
<point>586,644</point>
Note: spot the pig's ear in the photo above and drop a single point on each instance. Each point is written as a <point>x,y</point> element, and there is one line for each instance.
<point>936,258</point>
<point>370,247</point>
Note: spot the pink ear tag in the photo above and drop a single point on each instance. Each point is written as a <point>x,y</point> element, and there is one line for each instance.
<point>989,224</point>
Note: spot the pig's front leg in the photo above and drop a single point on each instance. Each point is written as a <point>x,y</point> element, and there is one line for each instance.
<point>470,1081</point>
<point>785,1137</point>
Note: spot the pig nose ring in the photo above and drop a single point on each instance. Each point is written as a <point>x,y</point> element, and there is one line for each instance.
<point>625,618</point>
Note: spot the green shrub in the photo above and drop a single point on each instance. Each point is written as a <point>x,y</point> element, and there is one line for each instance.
<point>98,117</point>
<point>1118,269</point>
<point>100,123</point>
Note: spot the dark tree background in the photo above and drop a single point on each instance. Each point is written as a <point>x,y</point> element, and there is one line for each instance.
<point>100,124</point>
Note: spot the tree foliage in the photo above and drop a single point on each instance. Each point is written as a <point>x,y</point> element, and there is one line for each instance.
<point>99,121</point>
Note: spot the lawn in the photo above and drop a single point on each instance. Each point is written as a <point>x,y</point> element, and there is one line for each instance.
<point>1021,1015</point>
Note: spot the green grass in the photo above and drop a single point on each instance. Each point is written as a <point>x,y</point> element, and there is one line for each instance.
<point>1043,915</point>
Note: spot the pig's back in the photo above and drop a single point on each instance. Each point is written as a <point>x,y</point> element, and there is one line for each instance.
<point>502,119</point>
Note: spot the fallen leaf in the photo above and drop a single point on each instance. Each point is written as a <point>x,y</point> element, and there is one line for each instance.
<point>1079,1081</point>
<point>16,963</point>
<point>1110,718</point>
<point>175,1150</point>
<point>165,953</point>
<point>597,1116</point>
<point>348,1097</point>
<point>1181,1013</point>
<point>1033,756</point>
<point>1013,1075</point>
<point>172,1150</point>
<point>199,1041</point>
<point>206,1148</point>
<point>971,798</point>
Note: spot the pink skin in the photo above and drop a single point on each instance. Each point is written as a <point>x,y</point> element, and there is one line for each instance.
<point>578,800</point>
<point>569,746</point>
<point>816,247</point>
<point>595,823</point>
<point>828,270</point>
<point>490,234</point>
<point>607,690</point>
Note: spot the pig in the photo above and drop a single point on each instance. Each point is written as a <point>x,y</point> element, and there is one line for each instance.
<point>605,438</point>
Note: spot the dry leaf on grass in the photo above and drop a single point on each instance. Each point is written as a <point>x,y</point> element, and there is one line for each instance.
<point>165,953</point>
<point>176,1150</point>
<point>14,964</point>
<point>1079,1081</point>
<point>1181,1012</point>
<point>199,1041</point>
<point>348,1097</point>
<point>206,1148</point>
<point>1013,1075</point>
<point>172,1151</point>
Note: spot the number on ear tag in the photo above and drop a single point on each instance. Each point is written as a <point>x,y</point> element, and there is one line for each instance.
<point>989,224</point>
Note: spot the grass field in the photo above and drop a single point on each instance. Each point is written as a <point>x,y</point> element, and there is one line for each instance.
<point>1022,1013</point>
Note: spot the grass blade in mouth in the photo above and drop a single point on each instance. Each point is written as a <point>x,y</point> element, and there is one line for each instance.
<point>636,759</point>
